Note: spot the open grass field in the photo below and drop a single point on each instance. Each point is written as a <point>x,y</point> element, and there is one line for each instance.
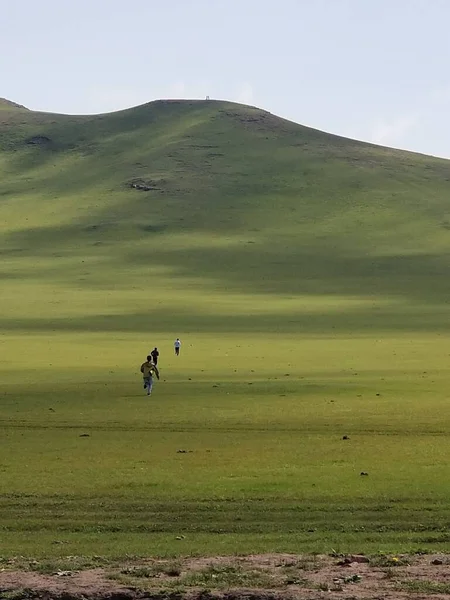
<point>307,277</point>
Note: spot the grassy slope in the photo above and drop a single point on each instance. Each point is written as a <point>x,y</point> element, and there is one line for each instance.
<point>283,210</point>
<point>305,273</point>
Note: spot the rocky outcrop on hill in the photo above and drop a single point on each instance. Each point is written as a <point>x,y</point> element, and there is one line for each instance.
<point>39,140</point>
<point>144,185</point>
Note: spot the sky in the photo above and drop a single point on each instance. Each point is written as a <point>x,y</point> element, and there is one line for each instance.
<point>374,70</point>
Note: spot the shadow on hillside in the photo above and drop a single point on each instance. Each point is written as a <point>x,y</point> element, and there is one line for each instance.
<point>348,322</point>
<point>316,271</point>
<point>332,267</point>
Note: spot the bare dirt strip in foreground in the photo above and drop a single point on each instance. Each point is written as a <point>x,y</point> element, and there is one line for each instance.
<point>266,577</point>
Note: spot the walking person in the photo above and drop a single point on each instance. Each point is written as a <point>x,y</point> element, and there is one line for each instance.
<point>148,369</point>
<point>155,355</point>
<point>177,346</point>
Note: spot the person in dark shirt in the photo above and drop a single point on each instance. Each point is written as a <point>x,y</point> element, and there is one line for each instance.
<point>155,355</point>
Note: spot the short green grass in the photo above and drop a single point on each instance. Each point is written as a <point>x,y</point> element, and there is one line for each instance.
<point>307,278</point>
<point>91,465</point>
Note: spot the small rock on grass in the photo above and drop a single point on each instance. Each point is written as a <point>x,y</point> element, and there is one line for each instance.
<point>353,558</point>
<point>359,558</point>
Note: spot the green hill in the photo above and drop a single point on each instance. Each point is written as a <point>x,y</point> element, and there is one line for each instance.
<point>225,198</point>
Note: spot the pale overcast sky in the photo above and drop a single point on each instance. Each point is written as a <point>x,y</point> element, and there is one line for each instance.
<point>376,70</point>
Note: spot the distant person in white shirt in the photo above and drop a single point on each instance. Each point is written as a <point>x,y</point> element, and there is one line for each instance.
<point>177,346</point>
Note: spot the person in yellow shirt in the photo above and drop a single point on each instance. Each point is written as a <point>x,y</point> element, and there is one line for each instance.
<point>148,369</point>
